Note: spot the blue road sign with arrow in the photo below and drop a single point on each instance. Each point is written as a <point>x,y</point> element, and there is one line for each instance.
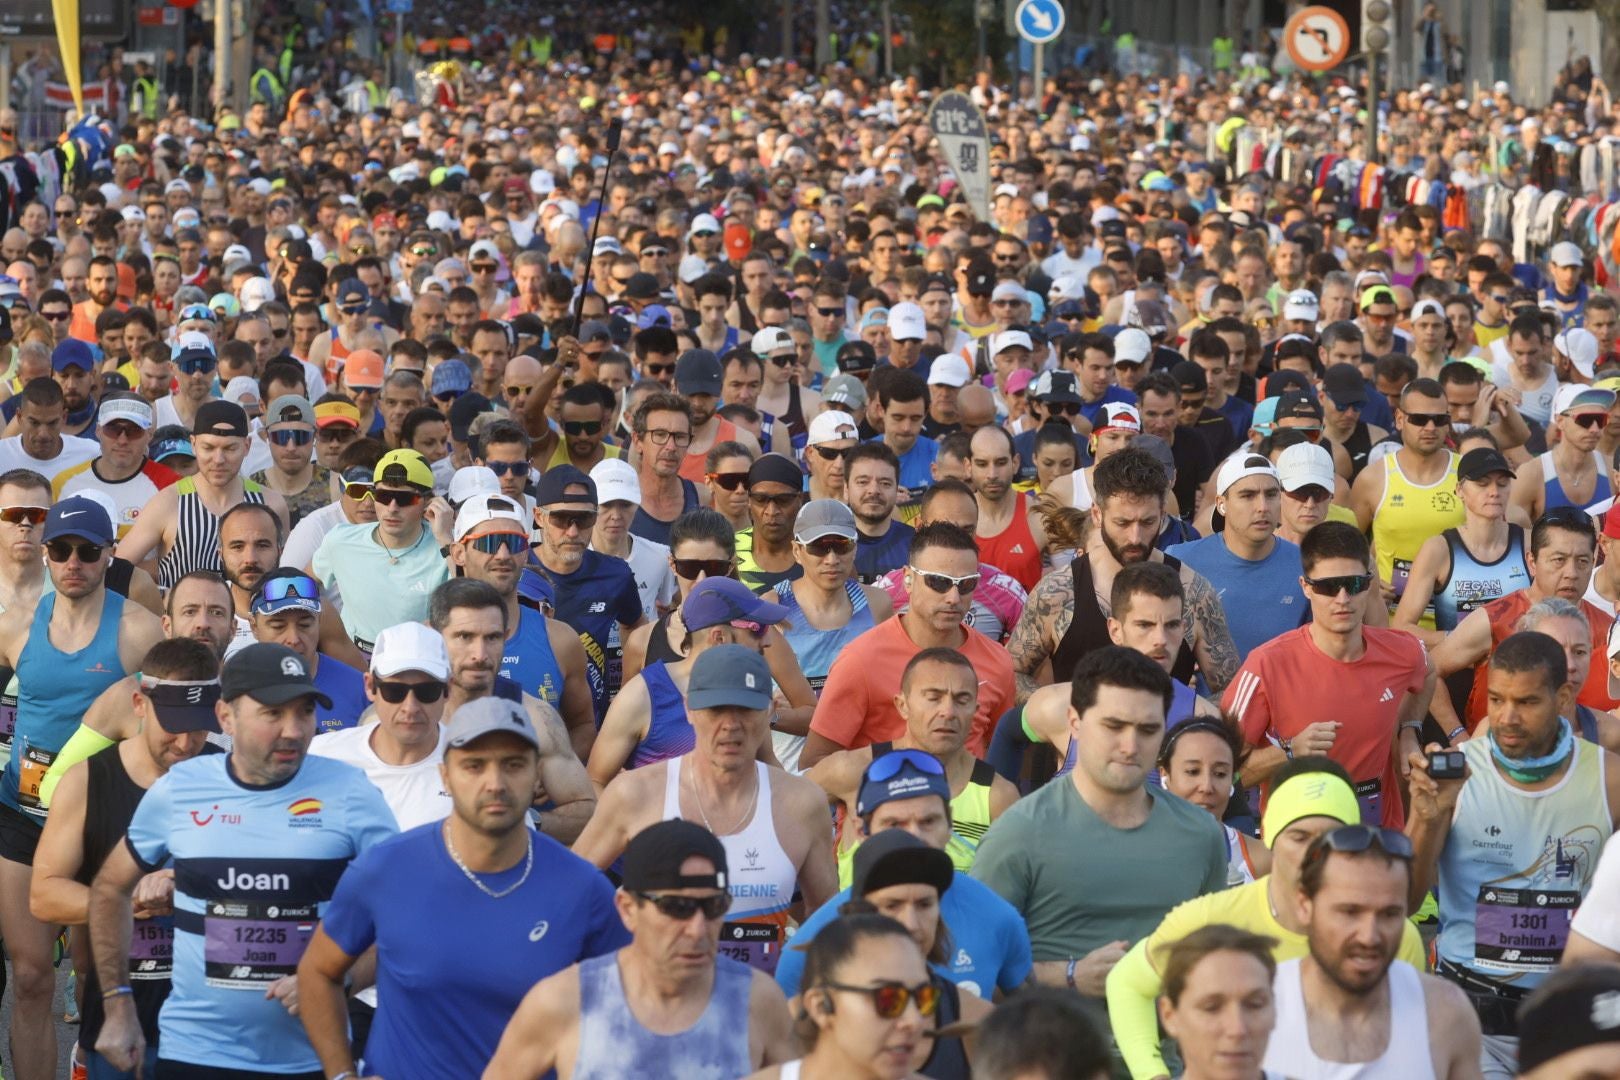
<point>1039,21</point>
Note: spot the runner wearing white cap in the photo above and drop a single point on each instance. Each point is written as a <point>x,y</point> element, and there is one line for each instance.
<point>1572,472</point>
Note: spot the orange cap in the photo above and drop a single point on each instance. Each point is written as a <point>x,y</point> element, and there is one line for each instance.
<point>363,370</point>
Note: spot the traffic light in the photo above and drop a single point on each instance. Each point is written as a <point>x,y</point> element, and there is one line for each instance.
<point>1377,25</point>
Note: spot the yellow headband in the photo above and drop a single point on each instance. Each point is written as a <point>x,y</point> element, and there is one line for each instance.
<point>1312,794</point>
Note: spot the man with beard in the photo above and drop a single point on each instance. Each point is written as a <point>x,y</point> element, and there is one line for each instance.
<point>700,379</point>
<point>1065,617</point>
<point>872,488</point>
<point>1379,1016</point>
<point>471,617</point>
<point>661,431</point>
<point>1010,533</point>
<point>101,282</point>
<point>1513,847</point>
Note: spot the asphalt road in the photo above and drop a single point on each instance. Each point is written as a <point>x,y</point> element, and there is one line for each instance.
<point>66,1034</point>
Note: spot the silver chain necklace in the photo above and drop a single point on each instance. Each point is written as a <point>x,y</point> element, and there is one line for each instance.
<point>746,814</point>
<point>528,865</point>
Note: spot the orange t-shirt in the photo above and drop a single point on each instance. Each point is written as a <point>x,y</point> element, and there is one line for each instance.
<point>1504,614</point>
<point>856,707</point>
<point>1288,684</point>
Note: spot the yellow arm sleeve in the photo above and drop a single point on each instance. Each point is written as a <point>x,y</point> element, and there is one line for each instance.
<point>1133,990</point>
<point>85,743</point>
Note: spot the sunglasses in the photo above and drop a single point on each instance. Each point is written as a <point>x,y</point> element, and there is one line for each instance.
<point>828,453</point>
<point>582,427</point>
<point>1354,584</point>
<point>889,1000</point>
<point>56,316</point>
<point>301,587</point>
<point>502,468</point>
<point>1310,494</point>
<point>563,520</point>
<point>653,252</point>
<point>1066,408</point>
<point>61,551</point>
<point>706,234</point>
<point>1429,419</point>
<point>730,481</point>
<point>353,309</point>
<point>1592,420</point>
<point>292,437</point>
<point>822,546</point>
<point>1503,300</point>
<point>122,429</point>
<point>495,543</point>
<point>357,490</point>
<point>692,569</point>
<point>19,515</point>
<point>784,501</point>
<point>423,252</point>
<point>682,908</point>
<point>395,497</point>
<point>655,370</point>
<point>944,583</point>
<point>448,397</point>
<point>784,360</point>
<point>394,692</point>
<point>830,312</point>
<point>1353,839</point>
<point>200,365</point>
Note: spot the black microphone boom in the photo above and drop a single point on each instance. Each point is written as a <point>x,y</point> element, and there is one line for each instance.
<point>615,130</point>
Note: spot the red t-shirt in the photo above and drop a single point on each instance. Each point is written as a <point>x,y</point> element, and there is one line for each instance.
<point>1504,614</point>
<point>1288,683</point>
<point>856,707</point>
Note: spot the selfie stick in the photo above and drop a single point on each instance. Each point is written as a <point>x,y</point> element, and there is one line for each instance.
<point>615,130</point>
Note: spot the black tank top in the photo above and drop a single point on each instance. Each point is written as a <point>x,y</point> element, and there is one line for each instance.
<point>120,572</point>
<point>658,645</point>
<point>1358,446</point>
<point>648,527</point>
<point>109,804</point>
<point>1088,629</point>
<point>794,419</point>
<point>949,1058</point>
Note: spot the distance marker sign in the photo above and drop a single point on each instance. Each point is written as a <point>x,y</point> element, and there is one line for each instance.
<point>1317,38</point>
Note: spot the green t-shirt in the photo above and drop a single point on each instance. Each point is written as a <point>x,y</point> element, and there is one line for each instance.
<point>1081,883</point>
<point>379,590</point>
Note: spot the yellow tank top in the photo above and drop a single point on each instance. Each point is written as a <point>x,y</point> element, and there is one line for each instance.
<point>970,820</point>
<point>1409,514</point>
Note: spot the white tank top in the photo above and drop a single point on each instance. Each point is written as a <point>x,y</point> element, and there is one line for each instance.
<point>1405,1057</point>
<point>790,1070</point>
<point>761,877</point>
<point>1082,489</point>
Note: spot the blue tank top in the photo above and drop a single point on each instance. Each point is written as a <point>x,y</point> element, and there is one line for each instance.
<point>669,733</point>
<point>1473,582</point>
<point>648,527</point>
<point>613,1044</point>
<point>1183,707</point>
<point>817,649</point>
<point>528,660</point>
<point>1554,494</point>
<point>54,690</point>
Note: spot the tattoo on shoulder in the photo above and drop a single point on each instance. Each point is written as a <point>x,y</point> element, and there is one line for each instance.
<point>1207,626</point>
<point>1044,621</point>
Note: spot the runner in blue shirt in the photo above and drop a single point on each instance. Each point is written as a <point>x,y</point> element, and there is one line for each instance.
<point>525,907</point>
<point>286,608</point>
<point>259,838</point>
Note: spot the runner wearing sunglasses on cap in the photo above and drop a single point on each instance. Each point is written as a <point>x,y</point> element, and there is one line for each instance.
<point>123,472</point>
<point>589,1020</point>
<point>1379,1015</point>
<point>1574,472</point>
<point>287,609</point>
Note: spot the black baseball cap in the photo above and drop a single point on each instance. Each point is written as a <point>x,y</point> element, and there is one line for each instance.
<point>981,279</point>
<point>653,858</point>
<point>225,418</point>
<point>1279,382</point>
<point>896,857</point>
<point>554,484</point>
<point>270,674</point>
<point>1298,405</point>
<point>1189,376</point>
<point>641,286</point>
<point>698,371</point>
<point>467,408</point>
<point>856,356</point>
<point>1481,462</point>
<point>1344,384</point>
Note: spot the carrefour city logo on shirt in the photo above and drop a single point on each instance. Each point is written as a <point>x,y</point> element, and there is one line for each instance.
<point>304,813</point>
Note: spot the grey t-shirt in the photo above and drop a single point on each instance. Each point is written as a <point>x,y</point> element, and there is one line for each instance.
<point>1081,883</point>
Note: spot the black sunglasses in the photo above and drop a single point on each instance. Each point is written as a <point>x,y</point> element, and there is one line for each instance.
<point>395,497</point>
<point>682,908</point>
<point>1354,584</point>
<point>394,692</point>
<point>61,551</point>
<point>691,568</point>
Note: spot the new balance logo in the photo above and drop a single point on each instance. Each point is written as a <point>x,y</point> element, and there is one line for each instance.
<point>598,607</point>
<point>241,971</point>
<point>1388,695</point>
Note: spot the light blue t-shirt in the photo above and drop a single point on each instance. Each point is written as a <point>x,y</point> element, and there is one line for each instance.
<point>1261,598</point>
<point>989,945</point>
<point>916,464</point>
<point>254,869</point>
<point>378,592</point>
<point>484,959</point>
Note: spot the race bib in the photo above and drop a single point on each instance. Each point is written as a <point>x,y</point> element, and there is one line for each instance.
<point>247,945</point>
<point>759,945</point>
<point>1400,573</point>
<point>8,719</point>
<point>1522,930</point>
<point>32,765</point>
<point>151,949</point>
<point>1369,793</point>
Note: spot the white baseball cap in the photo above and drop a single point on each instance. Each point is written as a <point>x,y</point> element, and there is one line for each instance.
<point>1239,466</point>
<point>1010,290</point>
<point>615,481</point>
<point>256,292</point>
<point>906,322</point>
<point>949,370</point>
<point>1428,307</point>
<point>1067,287</point>
<point>703,223</point>
<point>693,267</point>
<point>471,480</point>
<point>831,425</point>
<point>1562,254</point>
<point>1305,465</point>
<point>1302,304</point>
<point>771,339</point>
<point>133,213</point>
<point>1118,416</point>
<point>541,182</point>
<point>486,507</point>
<point>1132,346</point>
<point>1009,339</point>
<point>410,646</point>
<point>1581,346</point>
<point>136,410</point>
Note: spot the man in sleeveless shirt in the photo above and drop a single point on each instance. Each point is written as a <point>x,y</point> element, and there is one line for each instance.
<point>1011,535</point>
<point>661,431</point>
<point>178,529</point>
<point>173,709</point>
<point>1410,495</point>
<point>1383,1019</point>
<point>1065,617</point>
<point>589,1019</point>
<point>938,695</point>
<point>75,643</point>
<point>1512,848</point>
<point>773,824</point>
<point>523,903</point>
<point>1572,472</point>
